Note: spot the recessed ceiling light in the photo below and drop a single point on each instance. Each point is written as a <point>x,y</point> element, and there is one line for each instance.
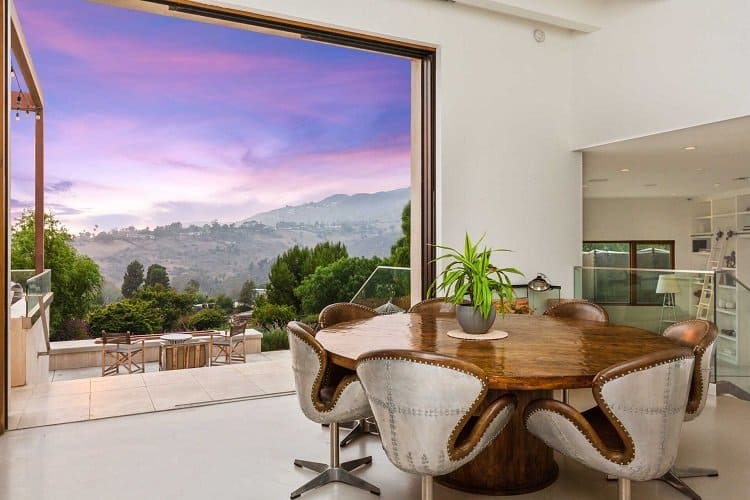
<point>624,170</point>
<point>717,184</point>
<point>585,186</point>
<point>598,179</point>
<point>690,148</point>
<point>674,194</point>
<point>649,185</point>
<point>699,169</point>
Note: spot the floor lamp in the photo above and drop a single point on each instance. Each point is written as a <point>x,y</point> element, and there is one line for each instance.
<point>669,287</point>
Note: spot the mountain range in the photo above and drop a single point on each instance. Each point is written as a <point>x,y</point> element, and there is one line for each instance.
<point>222,256</point>
<point>383,206</point>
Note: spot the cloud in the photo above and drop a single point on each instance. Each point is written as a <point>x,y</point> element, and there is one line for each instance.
<point>58,187</point>
<point>151,120</point>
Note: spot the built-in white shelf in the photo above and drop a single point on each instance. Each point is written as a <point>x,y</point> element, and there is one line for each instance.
<point>730,312</point>
<point>728,287</point>
<point>727,337</point>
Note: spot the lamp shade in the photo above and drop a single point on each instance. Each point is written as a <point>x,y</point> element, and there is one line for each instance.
<point>667,284</point>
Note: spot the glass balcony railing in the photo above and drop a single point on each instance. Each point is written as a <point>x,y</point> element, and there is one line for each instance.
<point>651,299</point>
<point>732,353</point>
<point>387,290</point>
<point>34,287</point>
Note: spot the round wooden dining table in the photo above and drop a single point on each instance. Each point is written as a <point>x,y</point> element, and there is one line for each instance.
<point>539,355</point>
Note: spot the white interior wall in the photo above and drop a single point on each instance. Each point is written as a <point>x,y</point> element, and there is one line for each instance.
<point>503,120</point>
<point>641,219</point>
<point>660,65</point>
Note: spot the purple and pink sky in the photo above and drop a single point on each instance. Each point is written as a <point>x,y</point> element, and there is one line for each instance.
<point>152,119</point>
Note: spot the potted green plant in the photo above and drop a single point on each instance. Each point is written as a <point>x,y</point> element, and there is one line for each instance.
<point>471,282</point>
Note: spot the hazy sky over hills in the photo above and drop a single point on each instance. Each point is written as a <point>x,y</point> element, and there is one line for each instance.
<point>152,119</point>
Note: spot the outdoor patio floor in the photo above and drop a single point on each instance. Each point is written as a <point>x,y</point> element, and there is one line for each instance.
<point>69,398</point>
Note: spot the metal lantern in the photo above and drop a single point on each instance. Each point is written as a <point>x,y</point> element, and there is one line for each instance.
<point>539,284</point>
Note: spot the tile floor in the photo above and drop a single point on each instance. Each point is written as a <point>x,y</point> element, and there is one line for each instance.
<point>70,398</point>
<point>245,450</point>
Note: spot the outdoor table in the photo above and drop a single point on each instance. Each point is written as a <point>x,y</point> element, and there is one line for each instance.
<point>539,355</point>
<point>176,338</point>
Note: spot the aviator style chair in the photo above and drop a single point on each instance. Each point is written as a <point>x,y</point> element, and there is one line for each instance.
<point>327,395</point>
<point>634,431</point>
<point>700,336</point>
<point>425,407</point>
<point>577,309</point>
<point>333,315</point>
<point>437,306</point>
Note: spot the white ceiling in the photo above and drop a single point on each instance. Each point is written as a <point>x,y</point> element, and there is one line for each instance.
<point>660,166</point>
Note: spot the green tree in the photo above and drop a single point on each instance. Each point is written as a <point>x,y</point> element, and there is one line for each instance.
<point>224,302</point>
<point>170,303</point>
<point>207,319</point>
<point>76,280</point>
<point>294,265</point>
<point>133,279</point>
<point>129,315</point>
<point>248,292</point>
<point>192,286</point>
<point>400,251</point>
<point>157,275</point>
<point>336,282</point>
<point>273,315</point>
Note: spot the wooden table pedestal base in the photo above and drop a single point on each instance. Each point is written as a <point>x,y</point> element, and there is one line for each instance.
<point>515,463</point>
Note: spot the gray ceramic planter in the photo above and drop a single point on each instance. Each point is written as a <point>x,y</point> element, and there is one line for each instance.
<point>471,319</point>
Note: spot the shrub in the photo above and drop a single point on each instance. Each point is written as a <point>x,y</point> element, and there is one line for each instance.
<point>207,319</point>
<point>73,329</point>
<point>274,339</point>
<point>170,303</point>
<point>130,315</point>
<point>271,315</point>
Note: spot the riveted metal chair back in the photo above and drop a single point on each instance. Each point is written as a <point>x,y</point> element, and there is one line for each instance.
<point>343,311</point>
<point>422,402</point>
<point>578,309</point>
<point>437,306</point>
<point>699,335</point>
<point>326,393</point>
<point>635,432</point>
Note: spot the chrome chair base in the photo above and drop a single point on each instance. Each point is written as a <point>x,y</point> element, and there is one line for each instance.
<point>334,472</point>
<point>623,489</point>
<point>361,428</point>
<point>328,474</point>
<point>675,475</point>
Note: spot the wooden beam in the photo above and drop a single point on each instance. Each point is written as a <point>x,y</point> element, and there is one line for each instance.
<point>23,58</point>
<point>39,194</point>
<point>26,103</point>
<point>4,211</point>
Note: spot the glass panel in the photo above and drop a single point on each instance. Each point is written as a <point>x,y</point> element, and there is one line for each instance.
<point>676,299</point>
<point>607,286</point>
<point>650,256</point>
<point>387,290</point>
<point>732,353</point>
<point>33,287</point>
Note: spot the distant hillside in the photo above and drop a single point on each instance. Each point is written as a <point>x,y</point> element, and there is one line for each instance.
<point>383,206</point>
<point>222,256</point>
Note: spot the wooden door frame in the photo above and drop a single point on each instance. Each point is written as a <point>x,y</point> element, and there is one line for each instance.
<point>4,212</point>
<point>423,53</point>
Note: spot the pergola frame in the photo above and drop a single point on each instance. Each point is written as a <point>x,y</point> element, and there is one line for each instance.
<point>31,101</point>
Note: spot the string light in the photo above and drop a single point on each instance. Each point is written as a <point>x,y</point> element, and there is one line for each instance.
<point>18,116</point>
<point>38,116</point>
<point>12,72</point>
